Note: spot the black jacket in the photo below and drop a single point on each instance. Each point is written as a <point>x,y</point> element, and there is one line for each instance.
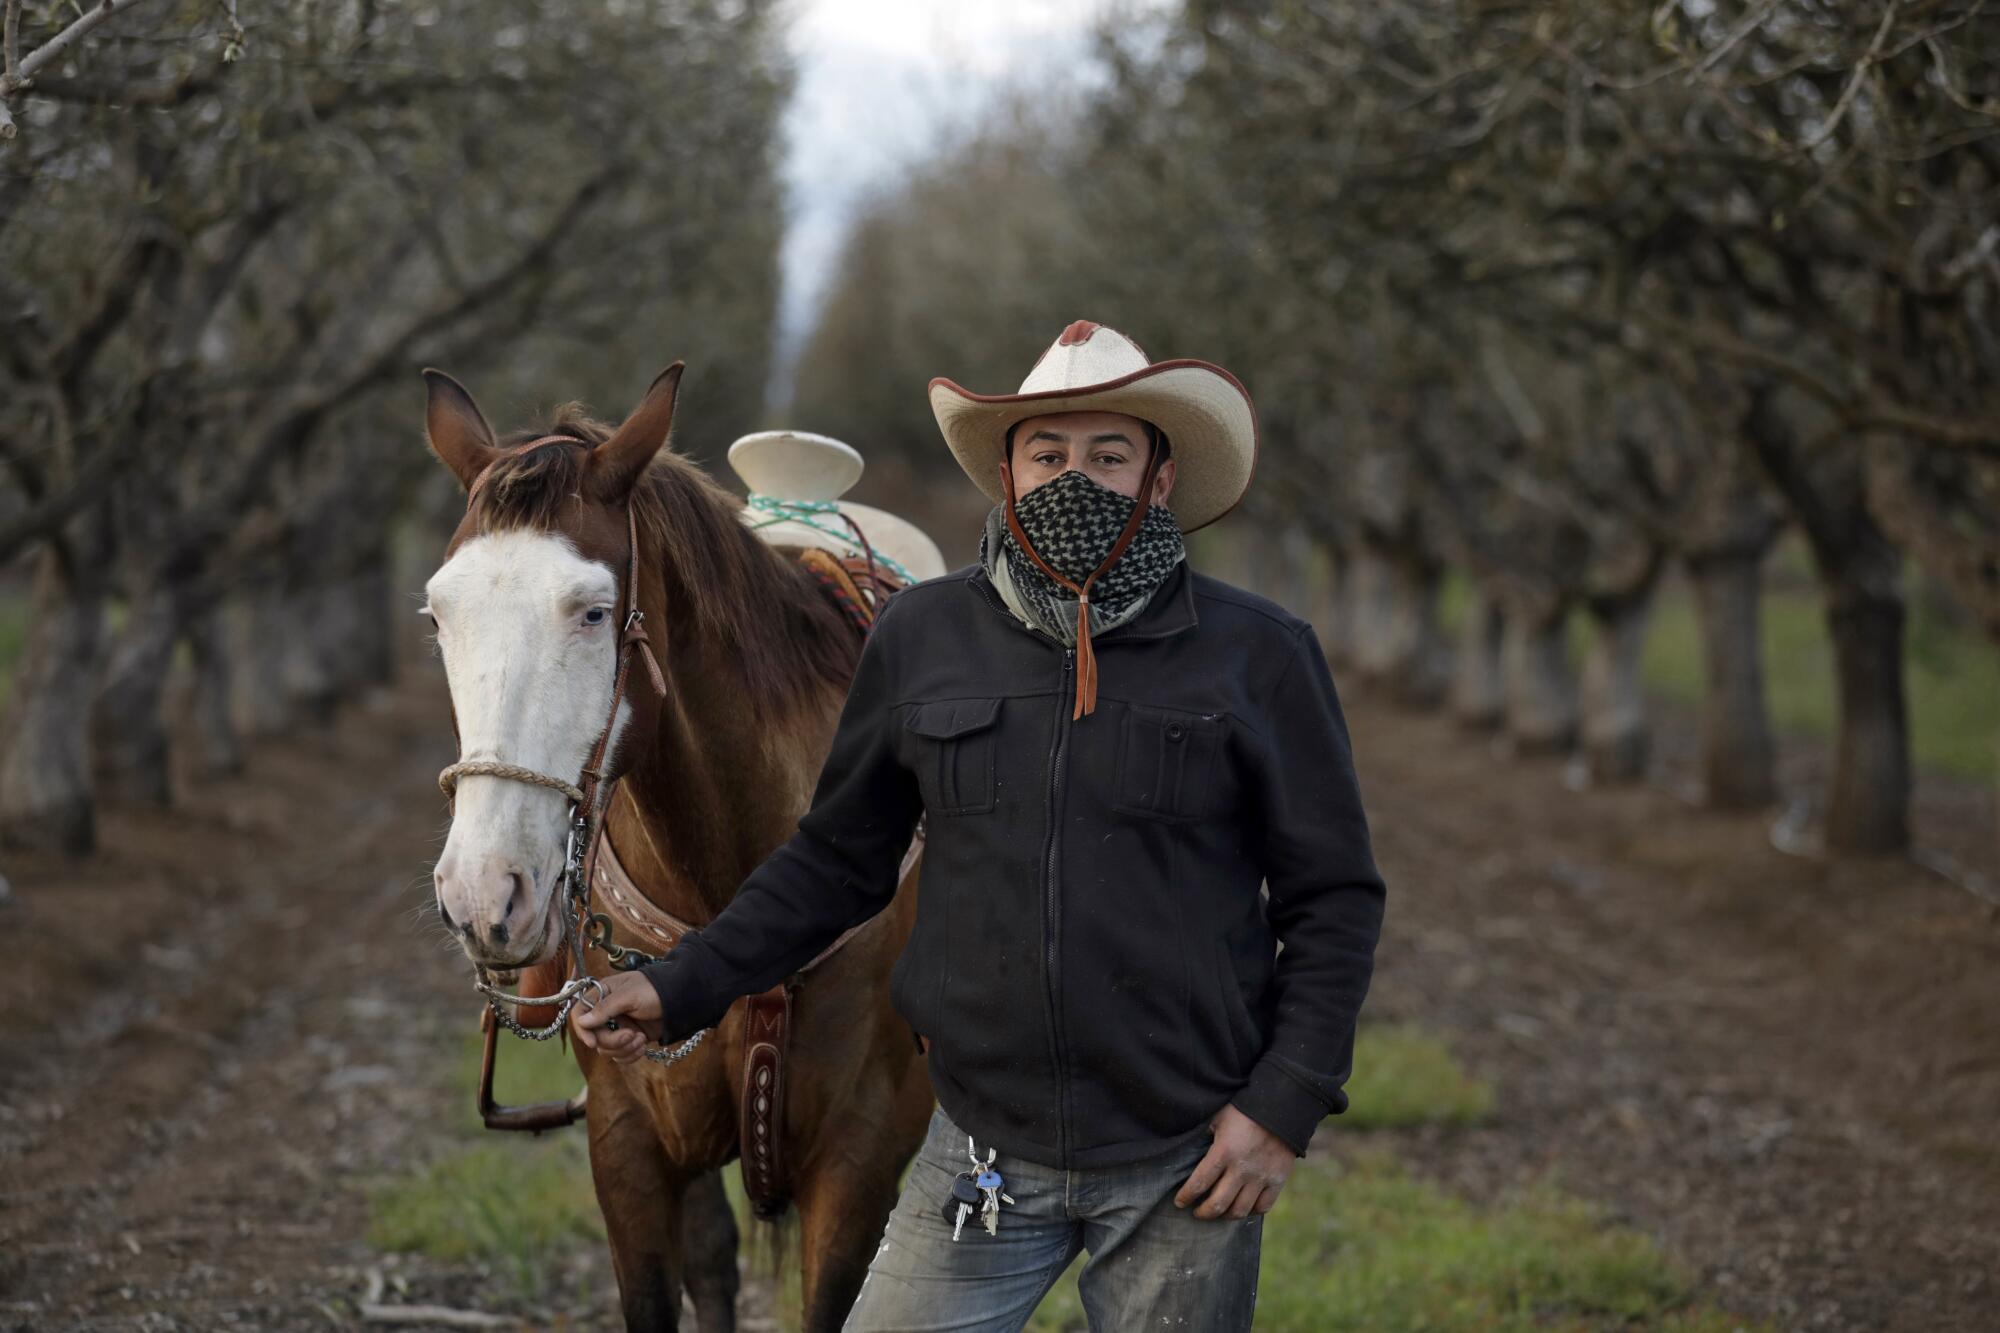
<point>1092,960</point>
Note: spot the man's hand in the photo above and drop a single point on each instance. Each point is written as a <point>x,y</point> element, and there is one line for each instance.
<point>625,1018</point>
<point>1242,1172</point>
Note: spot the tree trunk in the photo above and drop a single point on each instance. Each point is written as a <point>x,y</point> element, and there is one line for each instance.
<point>1398,643</point>
<point>1614,688</point>
<point>46,798</point>
<point>1479,682</point>
<point>263,707</point>
<point>1541,690</point>
<point>1868,808</point>
<point>128,725</point>
<point>354,636</point>
<point>336,631</point>
<point>1375,613</point>
<point>218,747</point>
<point>1292,584</point>
<point>1416,647</point>
<point>309,667</point>
<point>1342,615</point>
<point>374,597</point>
<point>1738,758</point>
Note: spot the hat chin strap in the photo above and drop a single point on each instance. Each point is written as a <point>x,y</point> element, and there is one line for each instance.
<point>1086,656</point>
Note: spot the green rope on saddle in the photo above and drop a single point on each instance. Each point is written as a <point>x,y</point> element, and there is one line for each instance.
<point>801,511</point>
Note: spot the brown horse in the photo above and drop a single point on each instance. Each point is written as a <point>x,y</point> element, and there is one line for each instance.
<point>712,774</point>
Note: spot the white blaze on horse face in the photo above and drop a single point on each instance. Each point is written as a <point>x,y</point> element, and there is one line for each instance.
<point>528,630</point>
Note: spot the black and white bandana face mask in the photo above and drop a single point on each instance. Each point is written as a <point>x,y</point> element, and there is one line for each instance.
<point>1073,522</point>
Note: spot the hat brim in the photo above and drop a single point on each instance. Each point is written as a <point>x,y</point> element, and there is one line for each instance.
<point>1204,410</point>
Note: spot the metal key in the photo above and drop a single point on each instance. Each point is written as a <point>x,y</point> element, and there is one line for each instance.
<point>990,1185</point>
<point>964,1198</point>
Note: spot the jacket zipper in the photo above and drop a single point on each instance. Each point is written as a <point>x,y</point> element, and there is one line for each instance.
<point>1051,920</point>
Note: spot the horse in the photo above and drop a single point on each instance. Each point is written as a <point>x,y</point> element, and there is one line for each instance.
<point>564,528</point>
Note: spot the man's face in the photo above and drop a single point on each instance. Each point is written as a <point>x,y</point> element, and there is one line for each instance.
<point>1109,447</point>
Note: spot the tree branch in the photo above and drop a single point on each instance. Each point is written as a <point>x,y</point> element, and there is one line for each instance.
<point>10,43</point>
<point>62,41</point>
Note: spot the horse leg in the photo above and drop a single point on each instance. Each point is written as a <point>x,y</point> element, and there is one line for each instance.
<point>712,1278</point>
<point>842,1209</point>
<point>639,1191</point>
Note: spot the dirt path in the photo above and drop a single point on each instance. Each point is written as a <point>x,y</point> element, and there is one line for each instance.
<point>241,1012</point>
<point>260,1016</point>
<point>1788,1071</point>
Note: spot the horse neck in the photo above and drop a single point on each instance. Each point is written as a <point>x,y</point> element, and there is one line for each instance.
<point>716,785</point>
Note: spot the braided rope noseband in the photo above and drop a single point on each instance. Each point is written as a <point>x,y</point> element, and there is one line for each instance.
<point>493,768</point>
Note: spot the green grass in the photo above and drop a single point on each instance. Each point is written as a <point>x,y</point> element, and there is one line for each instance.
<point>1951,670</point>
<point>1356,1243</point>
<point>513,1202</point>
<point>513,1207</point>
<point>1404,1076</point>
<point>1951,676</point>
<point>519,1203</point>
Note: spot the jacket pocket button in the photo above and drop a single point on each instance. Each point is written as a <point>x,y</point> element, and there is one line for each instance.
<point>1175,731</point>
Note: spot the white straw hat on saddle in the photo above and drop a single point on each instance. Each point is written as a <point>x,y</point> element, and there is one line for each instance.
<point>1204,411</point>
<point>796,480</point>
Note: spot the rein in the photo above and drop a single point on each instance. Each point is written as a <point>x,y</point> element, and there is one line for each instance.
<point>586,812</point>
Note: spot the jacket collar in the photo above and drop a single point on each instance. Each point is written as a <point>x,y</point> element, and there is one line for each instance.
<point>1169,611</point>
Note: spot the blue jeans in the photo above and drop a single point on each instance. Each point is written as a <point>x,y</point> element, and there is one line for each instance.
<point>1151,1265</point>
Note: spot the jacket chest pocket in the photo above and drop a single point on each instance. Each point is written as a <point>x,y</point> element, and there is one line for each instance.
<point>1166,763</point>
<point>954,754</point>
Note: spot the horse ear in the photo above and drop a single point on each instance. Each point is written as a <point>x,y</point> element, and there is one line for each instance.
<point>616,464</point>
<point>456,429</point>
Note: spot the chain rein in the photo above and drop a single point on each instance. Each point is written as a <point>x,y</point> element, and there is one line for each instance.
<point>586,814</point>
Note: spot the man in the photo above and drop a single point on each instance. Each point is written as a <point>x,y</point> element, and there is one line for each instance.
<point>1114,753</point>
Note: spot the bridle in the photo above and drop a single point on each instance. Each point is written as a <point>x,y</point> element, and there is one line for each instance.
<point>586,811</point>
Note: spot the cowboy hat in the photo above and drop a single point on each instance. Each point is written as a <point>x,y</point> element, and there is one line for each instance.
<point>1204,411</point>
<point>795,464</point>
<point>793,472</point>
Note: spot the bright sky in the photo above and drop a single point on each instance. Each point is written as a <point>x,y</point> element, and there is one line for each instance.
<point>879,82</point>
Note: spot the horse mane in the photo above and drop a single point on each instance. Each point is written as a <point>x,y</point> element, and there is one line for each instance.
<point>786,641</point>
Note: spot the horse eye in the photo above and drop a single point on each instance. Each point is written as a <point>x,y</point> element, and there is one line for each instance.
<point>596,615</point>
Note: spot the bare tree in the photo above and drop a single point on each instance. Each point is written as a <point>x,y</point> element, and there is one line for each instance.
<point>198,418</point>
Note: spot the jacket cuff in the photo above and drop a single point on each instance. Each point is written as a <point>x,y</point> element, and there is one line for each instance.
<point>686,995</point>
<point>1283,1105</point>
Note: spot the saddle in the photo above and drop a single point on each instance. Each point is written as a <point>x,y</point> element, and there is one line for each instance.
<point>857,582</point>
<point>767,1020</point>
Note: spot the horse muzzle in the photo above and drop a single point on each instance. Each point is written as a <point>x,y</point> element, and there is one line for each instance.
<point>504,915</point>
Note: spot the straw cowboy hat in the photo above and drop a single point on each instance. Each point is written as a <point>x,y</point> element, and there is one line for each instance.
<point>1204,411</point>
<point>793,473</point>
<point>796,464</point>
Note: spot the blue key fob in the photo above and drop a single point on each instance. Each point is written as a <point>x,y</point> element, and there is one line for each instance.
<point>989,1180</point>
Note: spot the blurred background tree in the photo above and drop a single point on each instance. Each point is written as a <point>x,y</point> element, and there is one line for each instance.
<point>1551,312</point>
<point>1539,303</point>
<point>230,235</point>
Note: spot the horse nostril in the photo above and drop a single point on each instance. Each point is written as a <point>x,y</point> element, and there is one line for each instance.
<point>519,881</point>
<point>445,916</point>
